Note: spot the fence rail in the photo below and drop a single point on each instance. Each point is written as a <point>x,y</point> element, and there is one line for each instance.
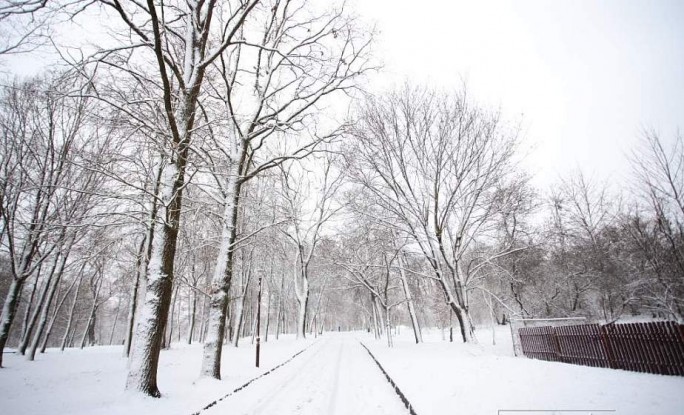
<point>656,347</point>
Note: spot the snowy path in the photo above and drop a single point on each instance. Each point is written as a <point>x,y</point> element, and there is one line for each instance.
<point>335,376</point>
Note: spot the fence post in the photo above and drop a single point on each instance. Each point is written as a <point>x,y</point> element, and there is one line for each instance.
<point>556,345</point>
<point>515,336</point>
<point>605,341</point>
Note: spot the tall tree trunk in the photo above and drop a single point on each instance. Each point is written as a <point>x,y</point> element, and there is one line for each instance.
<point>55,313</point>
<point>46,307</point>
<point>388,325</point>
<point>203,319</point>
<point>9,309</point>
<point>193,310</point>
<point>89,332</point>
<point>318,305</point>
<point>302,302</point>
<point>72,310</point>
<point>268,315</point>
<point>223,273</point>
<point>169,326</point>
<point>280,305</point>
<point>240,312</point>
<point>29,305</point>
<point>38,311</point>
<point>302,295</point>
<point>458,306</point>
<point>409,300</point>
<point>178,318</point>
<point>376,326</point>
<point>116,319</point>
<point>144,358</point>
<point>141,263</point>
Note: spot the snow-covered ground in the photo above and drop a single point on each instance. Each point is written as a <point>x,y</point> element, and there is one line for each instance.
<point>334,375</point>
<point>447,378</point>
<point>91,381</point>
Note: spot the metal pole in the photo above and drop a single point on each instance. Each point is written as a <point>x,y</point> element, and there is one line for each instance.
<point>258,325</point>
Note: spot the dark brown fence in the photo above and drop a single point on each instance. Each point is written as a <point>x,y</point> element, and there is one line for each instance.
<point>656,347</point>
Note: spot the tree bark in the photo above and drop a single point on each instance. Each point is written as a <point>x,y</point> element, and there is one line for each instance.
<point>29,304</point>
<point>193,309</point>
<point>144,358</point>
<point>409,300</point>
<point>220,284</point>
<point>8,311</point>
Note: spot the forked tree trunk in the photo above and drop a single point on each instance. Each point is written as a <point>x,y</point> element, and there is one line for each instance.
<point>459,308</point>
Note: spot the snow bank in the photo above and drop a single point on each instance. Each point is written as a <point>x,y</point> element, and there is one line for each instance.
<point>445,378</point>
<point>91,381</point>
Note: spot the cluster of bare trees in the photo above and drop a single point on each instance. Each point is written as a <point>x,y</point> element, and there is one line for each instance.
<point>193,100</point>
<point>155,185</point>
<point>445,223</point>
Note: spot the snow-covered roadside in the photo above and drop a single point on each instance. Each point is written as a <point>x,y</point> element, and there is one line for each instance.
<point>446,378</point>
<point>91,381</point>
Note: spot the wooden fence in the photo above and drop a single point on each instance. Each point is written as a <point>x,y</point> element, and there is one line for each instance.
<point>656,347</point>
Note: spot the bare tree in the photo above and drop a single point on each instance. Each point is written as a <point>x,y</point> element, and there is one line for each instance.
<point>291,60</point>
<point>41,132</point>
<point>179,43</point>
<point>432,164</point>
<point>659,237</point>
<point>306,223</point>
<point>370,257</point>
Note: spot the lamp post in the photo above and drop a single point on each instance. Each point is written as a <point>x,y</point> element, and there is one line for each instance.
<point>258,325</point>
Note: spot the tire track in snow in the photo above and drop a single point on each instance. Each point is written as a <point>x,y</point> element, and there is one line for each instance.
<point>332,404</point>
<point>292,382</point>
<point>335,378</point>
<point>244,385</point>
<point>403,397</point>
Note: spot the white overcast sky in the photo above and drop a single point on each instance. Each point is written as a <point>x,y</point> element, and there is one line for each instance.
<point>587,75</point>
